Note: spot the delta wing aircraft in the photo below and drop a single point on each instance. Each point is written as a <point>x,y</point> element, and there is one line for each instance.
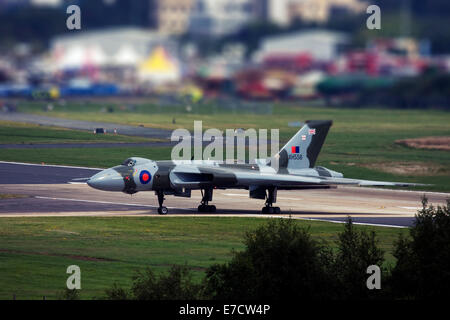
<point>295,170</point>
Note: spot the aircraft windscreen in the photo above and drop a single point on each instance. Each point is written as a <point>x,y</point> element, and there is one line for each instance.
<point>129,162</point>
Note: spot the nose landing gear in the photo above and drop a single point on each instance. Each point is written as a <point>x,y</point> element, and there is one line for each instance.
<point>161,210</point>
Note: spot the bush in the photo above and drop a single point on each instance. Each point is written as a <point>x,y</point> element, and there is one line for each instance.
<point>117,293</point>
<point>356,251</point>
<point>69,294</point>
<point>177,284</point>
<point>423,261</point>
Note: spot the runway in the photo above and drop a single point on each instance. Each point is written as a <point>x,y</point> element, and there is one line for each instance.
<point>38,190</point>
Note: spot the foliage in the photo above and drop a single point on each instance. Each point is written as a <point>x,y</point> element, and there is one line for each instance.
<point>117,293</point>
<point>357,250</point>
<point>177,284</point>
<point>423,260</point>
<point>69,294</point>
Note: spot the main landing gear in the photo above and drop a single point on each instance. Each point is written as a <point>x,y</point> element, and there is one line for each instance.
<point>271,198</point>
<point>206,197</point>
<point>161,210</point>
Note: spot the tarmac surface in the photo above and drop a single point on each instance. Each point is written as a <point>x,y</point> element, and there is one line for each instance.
<point>43,190</point>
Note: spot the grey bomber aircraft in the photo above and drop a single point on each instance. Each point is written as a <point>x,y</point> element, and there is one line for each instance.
<point>295,170</point>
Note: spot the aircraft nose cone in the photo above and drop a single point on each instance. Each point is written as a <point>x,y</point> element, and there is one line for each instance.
<point>107,180</point>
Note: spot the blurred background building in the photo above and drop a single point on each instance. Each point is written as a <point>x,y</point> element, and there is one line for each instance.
<point>240,49</point>
<point>220,17</point>
<point>322,45</point>
<point>172,16</point>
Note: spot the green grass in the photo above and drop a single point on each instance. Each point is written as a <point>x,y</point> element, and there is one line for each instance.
<point>20,133</point>
<point>35,252</point>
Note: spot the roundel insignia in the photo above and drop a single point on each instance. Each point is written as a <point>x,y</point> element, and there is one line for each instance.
<point>145,177</point>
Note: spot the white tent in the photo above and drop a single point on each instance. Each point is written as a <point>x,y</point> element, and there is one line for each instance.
<point>96,56</point>
<point>126,56</point>
<point>72,58</point>
<point>107,47</point>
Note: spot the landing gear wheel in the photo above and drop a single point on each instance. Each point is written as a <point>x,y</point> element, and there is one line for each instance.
<point>206,197</point>
<point>206,208</point>
<point>271,197</point>
<point>163,210</point>
<point>271,210</point>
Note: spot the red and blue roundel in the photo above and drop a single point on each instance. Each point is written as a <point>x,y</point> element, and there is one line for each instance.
<point>145,177</point>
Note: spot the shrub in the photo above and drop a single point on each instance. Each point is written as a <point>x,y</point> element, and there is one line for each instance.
<point>356,251</point>
<point>69,294</point>
<point>177,284</point>
<point>423,260</point>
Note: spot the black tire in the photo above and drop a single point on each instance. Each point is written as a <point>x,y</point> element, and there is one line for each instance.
<point>212,208</point>
<point>276,210</point>
<point>201,208</point>
<point>163,210</point>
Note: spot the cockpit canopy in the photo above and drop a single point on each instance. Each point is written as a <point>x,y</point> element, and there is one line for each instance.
<point>131,162</point>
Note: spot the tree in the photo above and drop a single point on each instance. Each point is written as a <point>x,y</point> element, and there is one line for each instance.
<point>423,260</point>
<point>357,250</point>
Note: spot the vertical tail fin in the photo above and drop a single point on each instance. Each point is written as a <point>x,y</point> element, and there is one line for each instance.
<point>303,148</point>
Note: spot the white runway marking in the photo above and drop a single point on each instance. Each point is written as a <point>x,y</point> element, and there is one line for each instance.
<point>359,223</point>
